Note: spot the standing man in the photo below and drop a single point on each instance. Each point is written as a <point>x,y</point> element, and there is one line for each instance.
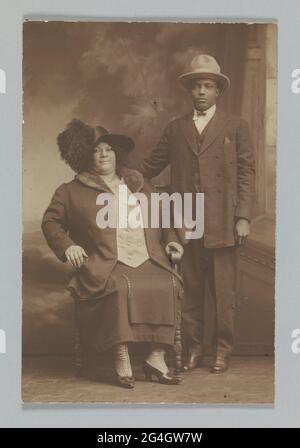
<point>210,152</point>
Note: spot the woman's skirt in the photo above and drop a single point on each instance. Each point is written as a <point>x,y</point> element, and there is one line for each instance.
<point>142,308</point>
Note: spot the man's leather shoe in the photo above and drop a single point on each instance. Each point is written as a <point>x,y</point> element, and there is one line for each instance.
<point>194,360</point>
<point>221,364</point>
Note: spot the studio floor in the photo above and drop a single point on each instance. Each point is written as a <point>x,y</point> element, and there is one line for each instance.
<point>50,379</point>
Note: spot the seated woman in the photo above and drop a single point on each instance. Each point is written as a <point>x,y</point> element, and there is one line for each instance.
<point>124,281</point>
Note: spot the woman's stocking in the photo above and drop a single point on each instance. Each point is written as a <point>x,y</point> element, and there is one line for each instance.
<point>156,358</point>
<point>122,360</point>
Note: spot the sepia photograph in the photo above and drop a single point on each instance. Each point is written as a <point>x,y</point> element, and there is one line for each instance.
<point>149,191</point>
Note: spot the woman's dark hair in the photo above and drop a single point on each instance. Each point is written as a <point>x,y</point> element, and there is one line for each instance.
<point>121,159</point>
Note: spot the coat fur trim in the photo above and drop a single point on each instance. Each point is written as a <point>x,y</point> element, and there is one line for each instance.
<point>132,178</point>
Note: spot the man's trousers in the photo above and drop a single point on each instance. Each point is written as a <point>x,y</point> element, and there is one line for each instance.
<point>219,268</point>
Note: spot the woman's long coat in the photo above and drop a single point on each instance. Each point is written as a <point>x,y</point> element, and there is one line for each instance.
<point>70,219</point>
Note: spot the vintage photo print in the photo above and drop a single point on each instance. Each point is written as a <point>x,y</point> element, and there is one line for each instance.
<point>149,160</point>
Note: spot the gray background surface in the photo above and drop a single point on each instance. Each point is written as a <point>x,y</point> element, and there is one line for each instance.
<point>286,411</point>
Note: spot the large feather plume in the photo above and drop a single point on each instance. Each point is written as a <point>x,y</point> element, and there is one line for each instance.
<point>75,144</point>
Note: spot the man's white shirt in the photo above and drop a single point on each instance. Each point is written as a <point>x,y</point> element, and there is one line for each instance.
<point>202,120</point>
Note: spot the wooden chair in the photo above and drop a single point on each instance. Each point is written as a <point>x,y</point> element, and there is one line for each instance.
<point>178,335</point>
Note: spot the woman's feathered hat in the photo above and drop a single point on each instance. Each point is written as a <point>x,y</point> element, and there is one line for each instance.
<point>117,141</point>
<point>78,140</point>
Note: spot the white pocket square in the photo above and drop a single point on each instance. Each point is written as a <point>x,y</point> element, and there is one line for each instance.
<point>227,140</point>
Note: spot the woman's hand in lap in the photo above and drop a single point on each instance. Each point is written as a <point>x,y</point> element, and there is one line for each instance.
<point>76,255</point>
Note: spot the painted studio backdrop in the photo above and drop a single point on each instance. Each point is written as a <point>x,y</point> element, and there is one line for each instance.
<point>123,76</point>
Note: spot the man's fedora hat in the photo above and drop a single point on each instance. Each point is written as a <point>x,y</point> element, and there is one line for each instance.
<point>204,66</point>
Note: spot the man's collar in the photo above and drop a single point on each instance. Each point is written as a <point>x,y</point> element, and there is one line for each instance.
<point>208,113</point>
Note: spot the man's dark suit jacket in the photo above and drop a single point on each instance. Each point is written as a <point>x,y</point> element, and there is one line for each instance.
<point>222,167</point>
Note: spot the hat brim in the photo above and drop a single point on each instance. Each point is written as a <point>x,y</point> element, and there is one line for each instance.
<point>221,79</point>
<point>117,141</point>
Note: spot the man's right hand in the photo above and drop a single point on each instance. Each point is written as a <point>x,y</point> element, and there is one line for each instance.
<point>76,255</point>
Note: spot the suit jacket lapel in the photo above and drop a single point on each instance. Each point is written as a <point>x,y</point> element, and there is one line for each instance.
<point>215,126</point>
<point>190,131</point>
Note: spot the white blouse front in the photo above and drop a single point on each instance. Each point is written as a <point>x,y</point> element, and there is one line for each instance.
<point>131,242</point>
